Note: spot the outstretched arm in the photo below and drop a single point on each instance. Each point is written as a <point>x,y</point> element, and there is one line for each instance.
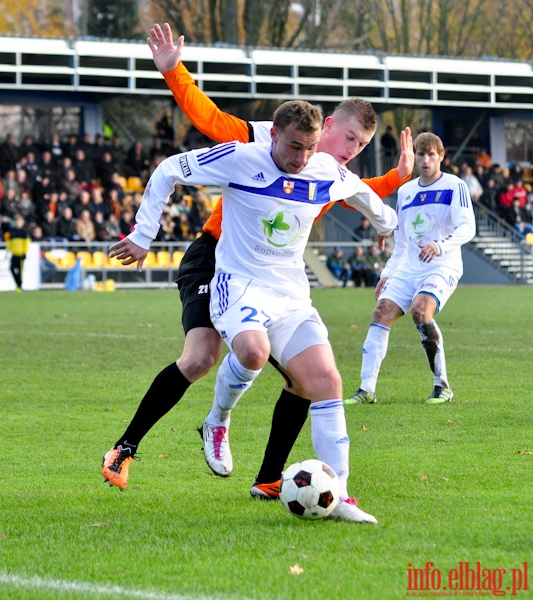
<point>201,111</point>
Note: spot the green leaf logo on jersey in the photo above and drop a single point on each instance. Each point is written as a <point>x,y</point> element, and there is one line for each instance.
<point>421,224</point>
<point>280,228</point>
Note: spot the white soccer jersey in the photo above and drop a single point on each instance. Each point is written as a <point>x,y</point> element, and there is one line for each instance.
<point>261,131</point>
<point>440,212</point>
<point>267,214</point>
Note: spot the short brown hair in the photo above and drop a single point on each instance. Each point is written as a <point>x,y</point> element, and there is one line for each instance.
<point>359,108</point>
<point>305,116</point>
<point>424,142</point>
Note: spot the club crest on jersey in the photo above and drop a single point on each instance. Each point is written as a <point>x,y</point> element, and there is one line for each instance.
<point>288,187</point>
<point>280,228</point>
<point>422,197</point>
<point>421,224</point>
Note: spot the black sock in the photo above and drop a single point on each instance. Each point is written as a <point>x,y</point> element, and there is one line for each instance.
<point>288,419</point>
<point>165,392</point>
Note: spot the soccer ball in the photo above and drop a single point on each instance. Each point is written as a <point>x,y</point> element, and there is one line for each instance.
<point>310,489</point>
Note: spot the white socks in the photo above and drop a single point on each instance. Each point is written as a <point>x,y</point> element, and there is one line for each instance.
<point>232,381</point>
<point>330,438</point>
<point>374,351</point>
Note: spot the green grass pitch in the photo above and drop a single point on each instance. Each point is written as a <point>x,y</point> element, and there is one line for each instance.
<point>448,484</point>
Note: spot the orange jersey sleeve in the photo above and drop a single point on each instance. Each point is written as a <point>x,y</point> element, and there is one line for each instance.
<point>203,113</point>
<point>383,185</point>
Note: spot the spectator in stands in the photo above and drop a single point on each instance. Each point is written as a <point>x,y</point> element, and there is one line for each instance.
<point>112,226</point>
<point>36,233</point>
<point>49,226</point>
<point>66,225</point>
<point>70,146</point>
<point>55,148</point>
<point>63,201</point>
<point>126,223</point>
<point>472,183</point>
<point>47,167</point>
<point>375,263</point>
<point>497,173</point>
<point>339,266</point>
<point>84,202</point>
<point>483,158</point>
<point>135,203</point>
<point>118,152</point>
<point>389,149</point>
<point>98,149</point>
<point>9,155</point>
<point>505,198</point>
<point>10,181</point>
<point>447,166</point>
<point>517,218</point>
<point>106,169</point>
<point>198,213</point>
<point>489,197</point>
<point>360,271</point>
<point>22,182</point>
<point>28,145</point>
<point>167,232</point>
<point>156,153</point>
<point>114,202</point>
<point>165,132</point>
<point>25,206</point>
<point>84,170</point>
<point>85,231</point>
<point>41,195</point>
<point>184,230</point>
<point>99,203</point>
<point>70,185</point>
<point>31,167</point>
<point>100,229</point>
<point>519,191</point>
<point>86,144</point>
<point>516,172</point>
<point>10,203</point>
<point>364,231</point>
<point>137,162</point>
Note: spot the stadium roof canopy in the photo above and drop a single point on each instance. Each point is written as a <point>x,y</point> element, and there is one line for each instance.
<point>124,67</point>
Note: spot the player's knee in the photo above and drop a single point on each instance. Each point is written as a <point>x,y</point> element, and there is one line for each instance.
<point>380,312</point>
<point>253,358</point>
<point>324,382</point>
<point>196,365</point>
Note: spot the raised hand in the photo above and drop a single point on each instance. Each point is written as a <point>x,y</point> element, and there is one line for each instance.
<point>406,161</point>
<point>166,55</point>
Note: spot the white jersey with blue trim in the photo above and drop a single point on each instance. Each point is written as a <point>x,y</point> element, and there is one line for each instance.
<point>267,214</point>
<point>440,212</point>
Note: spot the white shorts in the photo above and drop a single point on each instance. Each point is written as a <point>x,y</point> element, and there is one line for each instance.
<point>402,290</point>
<point>239,304</point>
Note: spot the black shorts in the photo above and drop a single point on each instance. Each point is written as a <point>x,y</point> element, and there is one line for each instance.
<point>196,270</point>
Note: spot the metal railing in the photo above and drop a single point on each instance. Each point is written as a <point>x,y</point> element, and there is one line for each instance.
<point>492,225</point>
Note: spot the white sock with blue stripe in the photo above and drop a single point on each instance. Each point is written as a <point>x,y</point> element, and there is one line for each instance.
<point>330,438</point>
<point>232,381</point>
